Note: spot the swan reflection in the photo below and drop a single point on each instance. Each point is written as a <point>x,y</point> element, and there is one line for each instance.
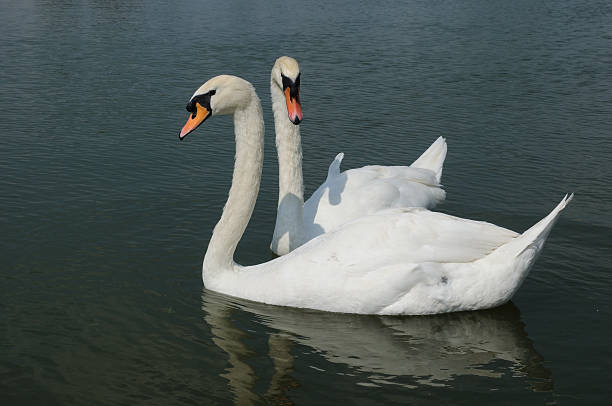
<point>409,351</point>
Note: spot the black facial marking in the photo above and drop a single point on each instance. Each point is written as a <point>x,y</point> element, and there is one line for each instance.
<point>286,81</point>
<point>203,100</point>
<point>294,87</point>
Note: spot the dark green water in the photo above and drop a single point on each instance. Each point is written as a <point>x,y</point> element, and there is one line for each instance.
<point>106,216</point>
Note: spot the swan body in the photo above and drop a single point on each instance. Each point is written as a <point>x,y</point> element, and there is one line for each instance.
<point>344,196</point>
<point>394,261</point>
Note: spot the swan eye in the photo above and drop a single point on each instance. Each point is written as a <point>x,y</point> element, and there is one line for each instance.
<point>203,100</point>
<point>290,83</point>
<point>286,81</point>
<point>191,108</point>
<point>294,87</point>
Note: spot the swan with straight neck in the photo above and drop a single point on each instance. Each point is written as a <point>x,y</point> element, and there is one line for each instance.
<point>344,196</point>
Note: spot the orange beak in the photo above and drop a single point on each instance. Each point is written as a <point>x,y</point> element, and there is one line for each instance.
<point>194,120</point>
<point>293,107</point>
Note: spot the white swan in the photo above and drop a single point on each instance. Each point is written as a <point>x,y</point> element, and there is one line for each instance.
<point>397,261</point>
<point>343,196</point>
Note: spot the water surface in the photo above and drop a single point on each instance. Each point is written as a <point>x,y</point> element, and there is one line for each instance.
<point>106,216</point>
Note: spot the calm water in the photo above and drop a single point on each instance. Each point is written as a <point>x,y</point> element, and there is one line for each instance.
<point>106,216</point>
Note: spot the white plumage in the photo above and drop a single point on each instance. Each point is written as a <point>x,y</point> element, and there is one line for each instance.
<point>394,261</point>
<point>344,196</point>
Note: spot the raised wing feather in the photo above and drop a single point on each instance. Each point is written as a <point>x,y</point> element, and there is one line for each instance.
<point>359,192</point>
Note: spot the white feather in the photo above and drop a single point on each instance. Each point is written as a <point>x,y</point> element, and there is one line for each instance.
<point>344,196</point>
<point>394,261</point>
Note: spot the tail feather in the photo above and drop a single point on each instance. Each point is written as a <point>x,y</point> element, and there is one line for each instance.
<point>509,264</point>
<point>433,158</point>
<point>538,233</point>
<point>531,240</point>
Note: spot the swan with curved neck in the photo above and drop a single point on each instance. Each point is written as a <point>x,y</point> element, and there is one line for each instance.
<point>396,261</point>
<point>344,196</point>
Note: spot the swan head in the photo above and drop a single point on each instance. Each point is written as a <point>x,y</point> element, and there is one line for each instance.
<point>220,95</point>
<point>286,76</point>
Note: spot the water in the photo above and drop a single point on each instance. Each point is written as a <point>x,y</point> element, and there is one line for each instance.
<point>106,216</point>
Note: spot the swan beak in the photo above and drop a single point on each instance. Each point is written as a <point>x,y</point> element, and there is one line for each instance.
<point>293,107</point>
<point>195,119</point>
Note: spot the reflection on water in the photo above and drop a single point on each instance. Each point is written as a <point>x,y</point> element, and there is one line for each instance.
<point>105,215</point>
<point>425,351</point>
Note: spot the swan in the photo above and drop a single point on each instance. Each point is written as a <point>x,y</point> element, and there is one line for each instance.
<point>395,261</point>
<point>344,196</point>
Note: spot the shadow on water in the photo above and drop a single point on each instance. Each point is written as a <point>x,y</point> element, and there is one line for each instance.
<point>421,351</point>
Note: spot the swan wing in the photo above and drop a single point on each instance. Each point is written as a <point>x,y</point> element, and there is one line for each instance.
<point>346,196</point>
<point>370,264</point>
<point>398,261</point>
<point>410,235</point>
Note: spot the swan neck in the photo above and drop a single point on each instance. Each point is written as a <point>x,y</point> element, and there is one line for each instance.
<point>290,212</point>
<point>289,149</point>
<point>249,133</point>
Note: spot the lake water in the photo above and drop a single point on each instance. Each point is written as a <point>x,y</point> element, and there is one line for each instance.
<point>106,216</point>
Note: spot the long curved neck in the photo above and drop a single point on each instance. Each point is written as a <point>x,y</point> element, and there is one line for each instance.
<point>249,130</point>
<point>290,213</point>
